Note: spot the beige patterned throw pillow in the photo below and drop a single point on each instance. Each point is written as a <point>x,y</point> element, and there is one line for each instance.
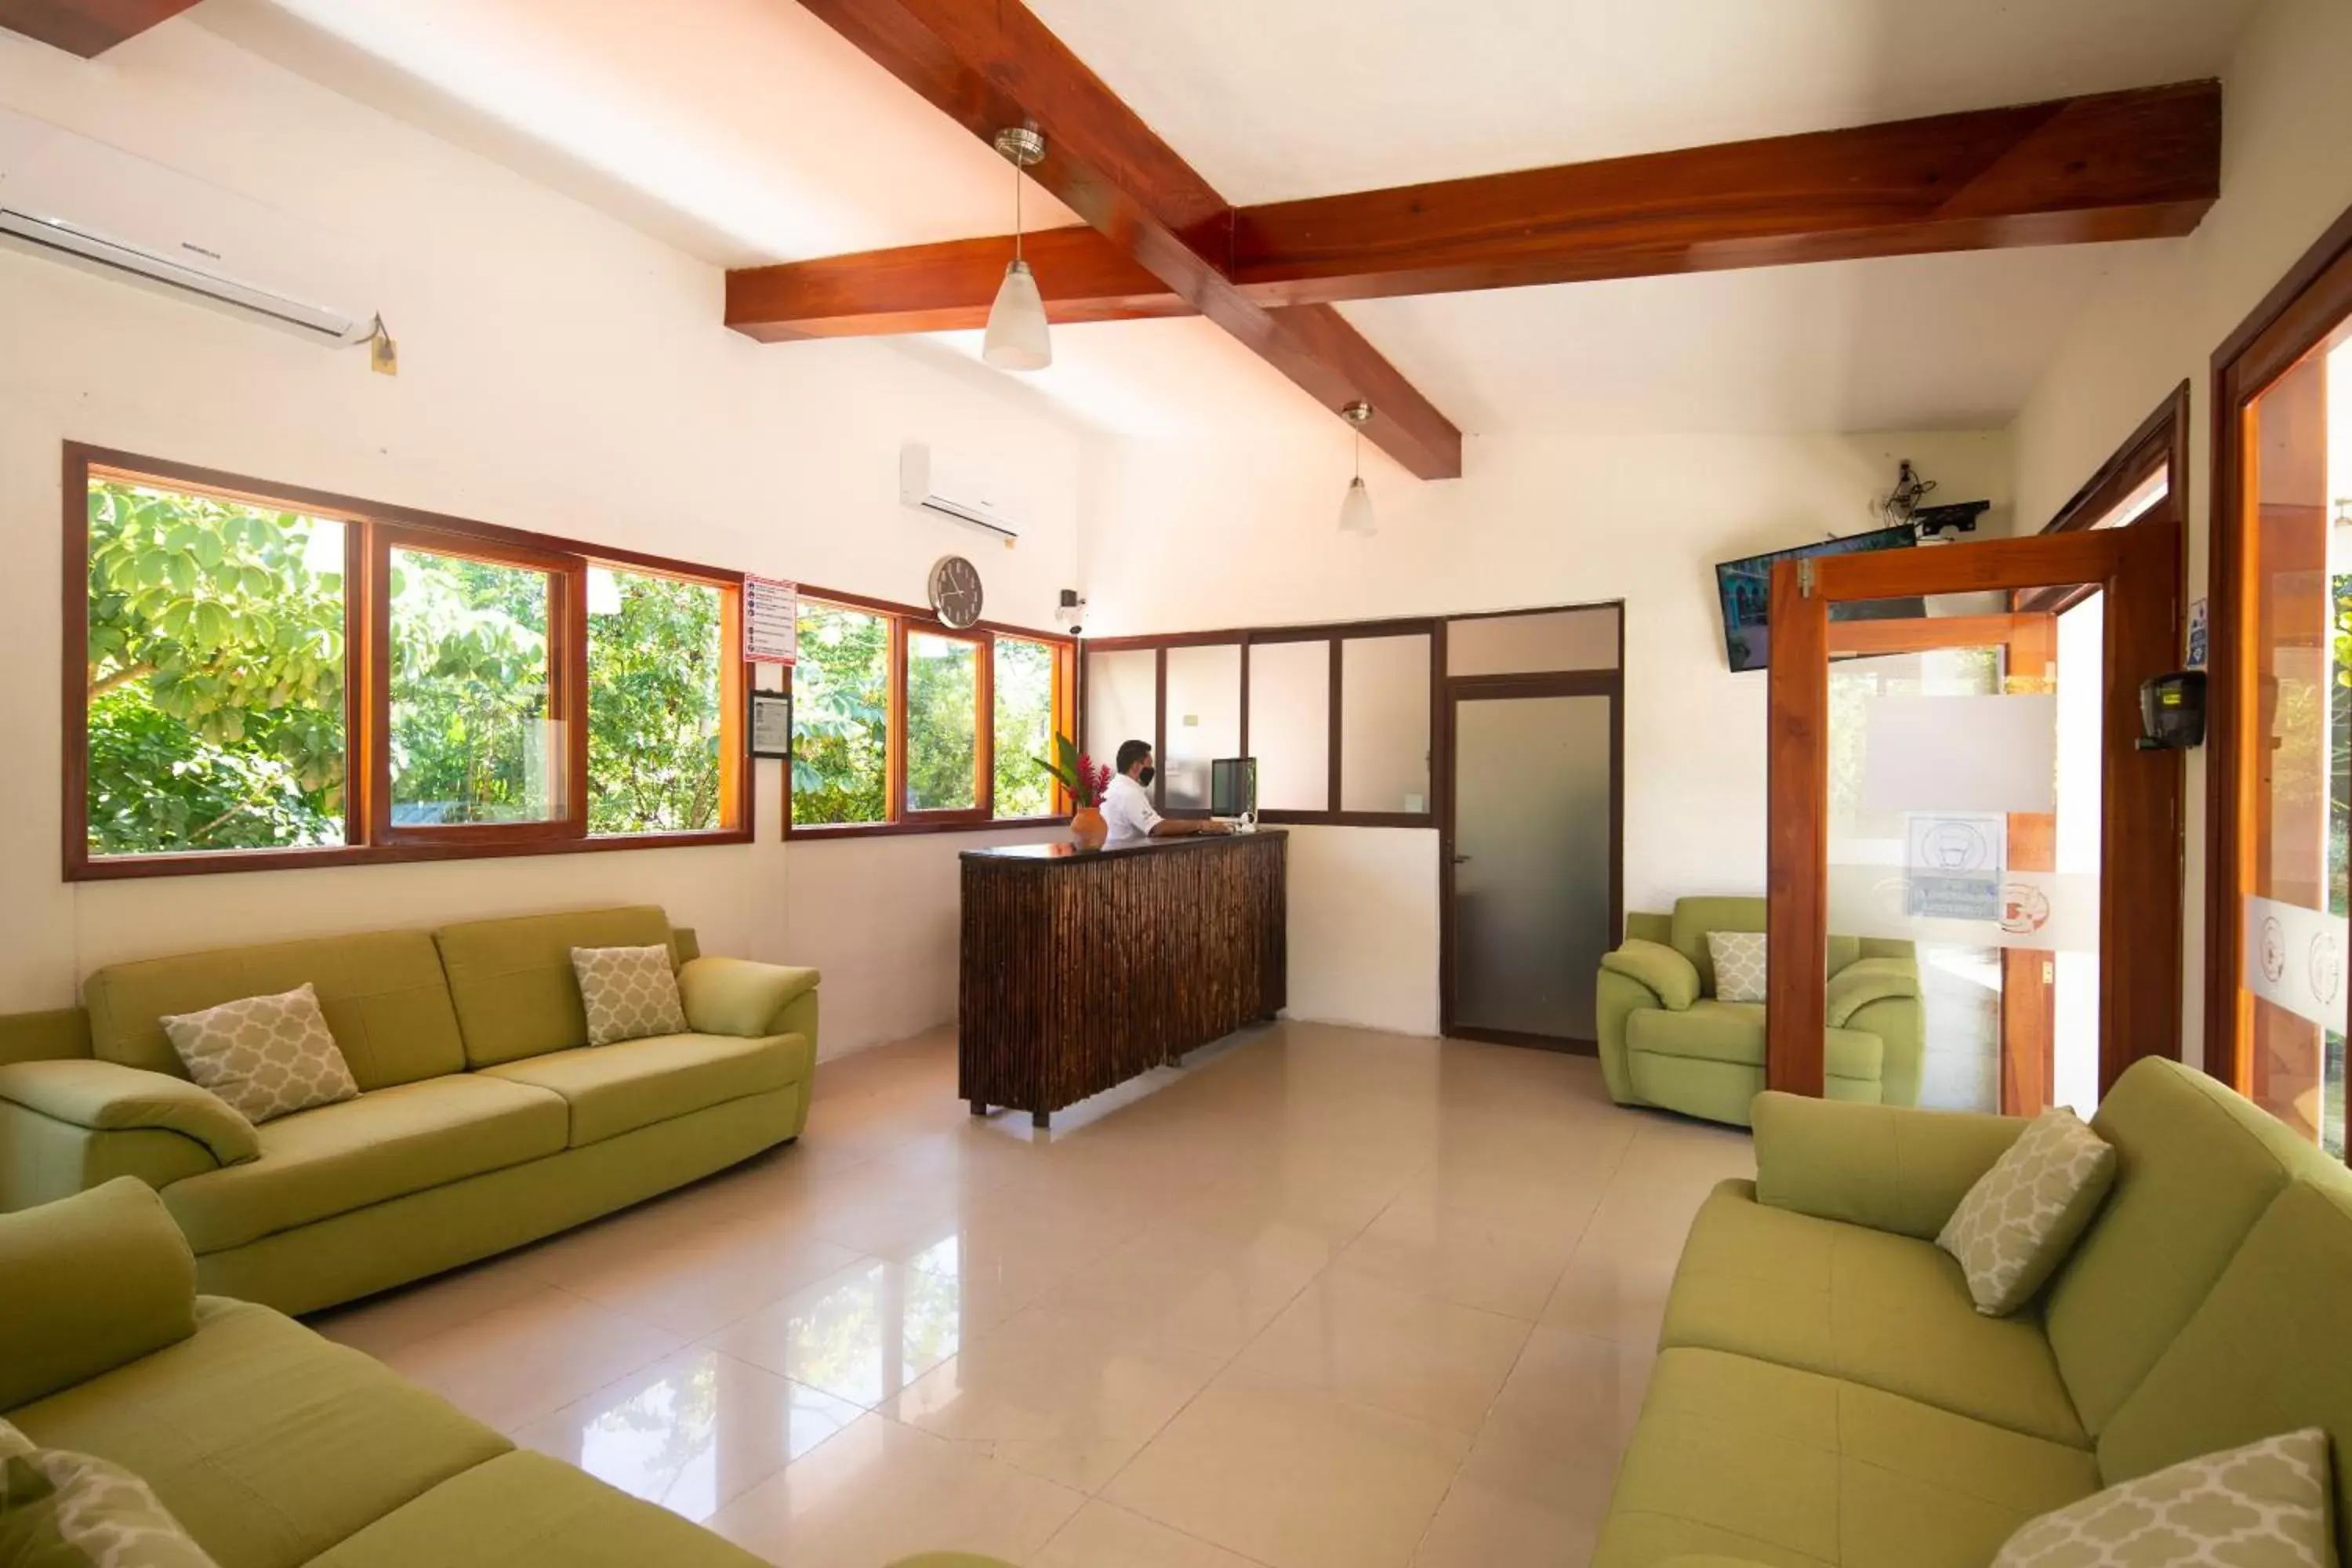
<point>629,992</point>
<point>60,1510</point>
<point>1738,958</point>
<point>267,1056</point>
<point>2022,1217</point>
<point>2262,1505</point>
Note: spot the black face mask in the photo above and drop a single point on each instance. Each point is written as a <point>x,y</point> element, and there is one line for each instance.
<point>1147,775</point>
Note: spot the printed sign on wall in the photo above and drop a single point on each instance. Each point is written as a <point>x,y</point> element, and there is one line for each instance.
<point>771,620</point>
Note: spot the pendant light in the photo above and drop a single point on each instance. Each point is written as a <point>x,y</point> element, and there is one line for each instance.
<point>1016,336</point>
<point>1355,512</point>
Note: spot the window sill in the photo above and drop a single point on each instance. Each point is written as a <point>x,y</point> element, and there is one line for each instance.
<point>227,862</point>
<point>817,832</point>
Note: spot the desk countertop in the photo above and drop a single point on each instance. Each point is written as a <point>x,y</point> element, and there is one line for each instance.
<point>1068,851</point>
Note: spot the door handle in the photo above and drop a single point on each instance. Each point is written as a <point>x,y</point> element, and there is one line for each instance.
<point>1458,859</point>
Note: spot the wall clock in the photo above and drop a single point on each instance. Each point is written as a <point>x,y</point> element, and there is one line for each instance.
<point>955,590</point>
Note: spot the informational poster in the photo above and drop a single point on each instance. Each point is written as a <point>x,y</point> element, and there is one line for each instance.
<point>771,620</point>
<point>771,725</point>
<point>2294,959</point>
<point>1953,861</point>
<point>2199,633</point>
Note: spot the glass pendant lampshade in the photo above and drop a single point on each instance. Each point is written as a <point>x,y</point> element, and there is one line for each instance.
<point>1356,511</point>
<point>1017,338</point>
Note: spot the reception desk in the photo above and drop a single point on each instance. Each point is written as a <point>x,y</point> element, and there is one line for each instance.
<point>1082,968</point>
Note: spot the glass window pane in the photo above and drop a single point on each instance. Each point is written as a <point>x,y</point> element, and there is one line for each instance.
<point>1024,727</point>
<point>474,738</point>
<point>1204,720</point>
<point>655,684</point>
<point>215,674</point>
<point>1122,702</point>
<point>1384,724</point>
<point>942,723</point>
<point>840,717</point>
<point>1544,642</point>
<point>1290,724</point>
<point>2297,532</point>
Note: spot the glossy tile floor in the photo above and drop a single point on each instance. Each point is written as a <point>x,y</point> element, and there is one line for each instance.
<point>1322,1297</point>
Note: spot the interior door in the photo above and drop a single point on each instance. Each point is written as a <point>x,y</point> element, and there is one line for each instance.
<point>1963,787</point>
<point>1532,892</point>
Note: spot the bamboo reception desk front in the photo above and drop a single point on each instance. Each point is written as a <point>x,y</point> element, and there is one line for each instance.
<point>1083,968</point>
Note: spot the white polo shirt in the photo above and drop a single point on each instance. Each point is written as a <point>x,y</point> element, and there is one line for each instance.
<point>1127,807</point>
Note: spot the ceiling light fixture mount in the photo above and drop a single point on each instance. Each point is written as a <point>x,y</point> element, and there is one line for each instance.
<point>1356,511</point>
<point>1017,337</point>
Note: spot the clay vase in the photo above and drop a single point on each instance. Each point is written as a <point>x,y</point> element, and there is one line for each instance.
<point>1087,826</point>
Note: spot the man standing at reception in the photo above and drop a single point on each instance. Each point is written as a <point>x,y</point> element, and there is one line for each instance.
<point>1127,807</point>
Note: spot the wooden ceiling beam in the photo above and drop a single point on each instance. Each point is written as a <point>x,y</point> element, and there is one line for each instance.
<point>2140,164</point>
<point>86,27</point>
<point>990,64</point>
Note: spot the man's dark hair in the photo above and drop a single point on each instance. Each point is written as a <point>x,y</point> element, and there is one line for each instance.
<point>1131,752</point>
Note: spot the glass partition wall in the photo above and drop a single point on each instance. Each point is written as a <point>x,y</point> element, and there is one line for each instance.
<point>2281,772</point>
<point>1501,733</point>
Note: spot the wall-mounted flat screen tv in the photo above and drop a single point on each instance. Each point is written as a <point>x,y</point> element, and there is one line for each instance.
<point>1746,589</point>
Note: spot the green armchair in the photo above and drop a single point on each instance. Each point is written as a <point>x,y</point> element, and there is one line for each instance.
<point>1667,1041</point>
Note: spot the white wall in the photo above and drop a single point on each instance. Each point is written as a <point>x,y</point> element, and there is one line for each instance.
<point>1242,532</point>
<point>2286,174</point>
<point>559,372</point>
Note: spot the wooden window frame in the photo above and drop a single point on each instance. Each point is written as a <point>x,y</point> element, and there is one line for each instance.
<point>2300,314</point>
<point>372,529</point>
<point>908,620</point>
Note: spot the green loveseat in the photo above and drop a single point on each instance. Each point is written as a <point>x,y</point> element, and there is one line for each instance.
<point>1825,1393</point>
<point>1665,1040</point>
<point>272,1446</point>
<point>485,1119</point>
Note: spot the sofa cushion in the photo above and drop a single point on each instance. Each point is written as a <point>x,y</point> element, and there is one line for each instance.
<point>63,1510</point>
<point>619,1087</point>
<point>1733,1032</point>
<point>2265,1502</point>
<point>381,992</point>
<point>114,1282</point>
<point>265,1057</point>
<point>268,1443</point>
<point>2266,1354</point>
<point>1774,1465</point>
<point>384,1144</point>
<point>628,992</point>
<point>2022,1217</point>
<point>1694,918</point>
<point>525,1510</point>
<point>512,980</point>
<point>2195,1166</point>
<point>1888,1312</point>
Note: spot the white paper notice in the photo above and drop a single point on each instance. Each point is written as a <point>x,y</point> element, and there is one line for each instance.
<point>1960,754</point>
<point>2295,958</point>
<point>771,620</point>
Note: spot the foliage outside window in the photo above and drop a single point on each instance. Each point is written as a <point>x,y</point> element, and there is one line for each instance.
<point>972,713</point>
<point>223,682</point>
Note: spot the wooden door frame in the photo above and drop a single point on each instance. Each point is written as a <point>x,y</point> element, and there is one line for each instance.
<point>2139,909</point>
<point>2298,314</point>
<point>1456,689</point>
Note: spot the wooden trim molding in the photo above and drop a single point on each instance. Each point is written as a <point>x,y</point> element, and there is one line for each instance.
<point>87,27</point>
<point>2300,312</point>
<point>373,529</point>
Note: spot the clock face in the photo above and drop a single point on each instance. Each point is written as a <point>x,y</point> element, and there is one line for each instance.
<point>955,590</point>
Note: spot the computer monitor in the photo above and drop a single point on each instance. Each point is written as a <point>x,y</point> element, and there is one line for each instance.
<point>1232,786</point>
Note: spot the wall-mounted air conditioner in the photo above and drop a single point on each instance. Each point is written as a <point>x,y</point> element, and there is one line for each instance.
<point>67,198</point>
<point>956,488</point>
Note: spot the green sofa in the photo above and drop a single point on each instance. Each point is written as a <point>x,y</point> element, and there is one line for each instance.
<point>486,1120</point>
<point>1666,1041</point>
<point>269,1444</point>
<point>1825,1392</point>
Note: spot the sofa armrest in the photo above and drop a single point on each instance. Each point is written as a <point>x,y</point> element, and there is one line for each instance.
<point>1888,1167</point>
<point>1666,974</point>
<point>737,996</point>
<point>116,1282</point>
<point>1865,981</point>
<point>107,1097</point>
